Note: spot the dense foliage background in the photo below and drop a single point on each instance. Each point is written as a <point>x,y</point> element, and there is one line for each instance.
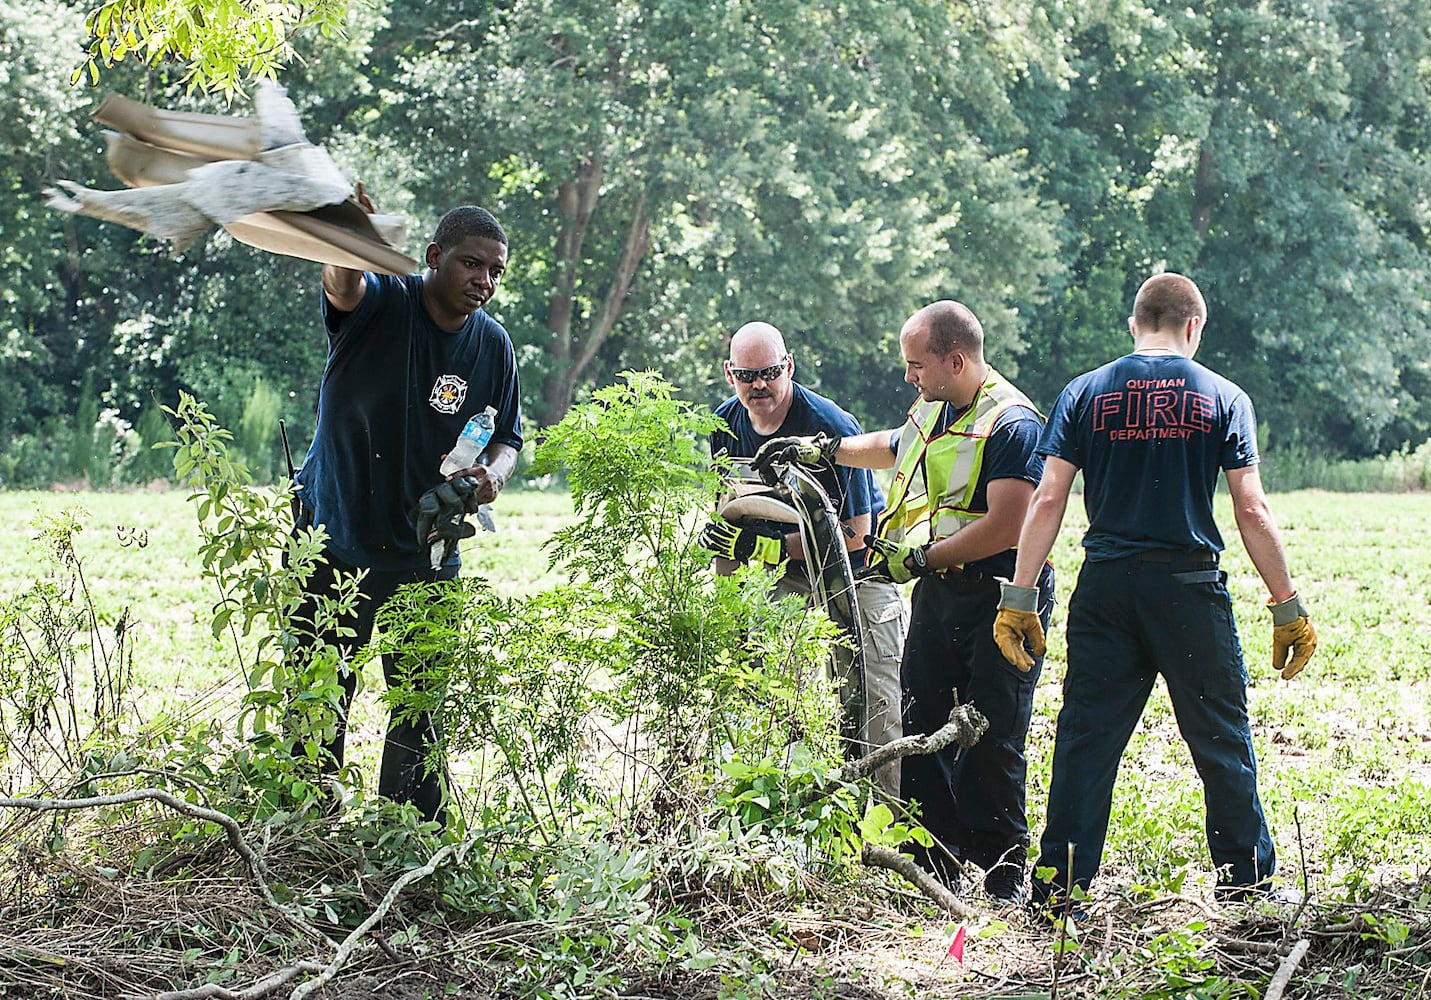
<point>667,172</point>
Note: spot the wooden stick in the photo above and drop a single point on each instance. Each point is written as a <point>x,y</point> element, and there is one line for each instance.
<point>884,857</point>
<point>1284,972</point>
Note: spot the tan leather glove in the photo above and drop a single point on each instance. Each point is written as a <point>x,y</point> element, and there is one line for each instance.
<point>1293,638</point>
<point>1017,623</point>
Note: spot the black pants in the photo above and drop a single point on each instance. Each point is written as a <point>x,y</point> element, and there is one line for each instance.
<point>405,775</point>
<point>1130,620</point>
<point>972,801</point>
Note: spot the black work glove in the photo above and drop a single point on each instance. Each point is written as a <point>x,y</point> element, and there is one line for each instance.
<point>743,544</point>
<point>441,517</point>
<point>811,450</point>
<point>896,561</point>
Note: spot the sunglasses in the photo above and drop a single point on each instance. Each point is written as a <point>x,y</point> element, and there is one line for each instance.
<point>769,374</point>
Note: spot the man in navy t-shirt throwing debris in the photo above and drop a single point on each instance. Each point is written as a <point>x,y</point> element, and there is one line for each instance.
<point>410,359</point>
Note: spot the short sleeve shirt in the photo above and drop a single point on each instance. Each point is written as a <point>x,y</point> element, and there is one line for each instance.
<point>397,390</point>
<point>1151,433</point>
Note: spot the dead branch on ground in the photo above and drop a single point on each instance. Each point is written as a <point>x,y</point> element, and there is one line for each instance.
<point>883,857</point>
<point>1285,970</point>
<point>229,824</point>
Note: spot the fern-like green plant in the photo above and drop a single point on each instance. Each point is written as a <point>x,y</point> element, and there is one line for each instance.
<point>258,564</point>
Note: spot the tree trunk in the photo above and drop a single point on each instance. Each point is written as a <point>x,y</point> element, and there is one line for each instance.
<point>572,355</point>
<point>1202,191</point>
<point>576,200</point>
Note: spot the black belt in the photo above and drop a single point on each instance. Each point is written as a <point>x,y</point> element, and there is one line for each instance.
<point>960,575</point>
<point>1196,566</point>
<point>1176,556</point>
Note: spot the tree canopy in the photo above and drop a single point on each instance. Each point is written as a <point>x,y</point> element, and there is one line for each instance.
<point>669,172</point>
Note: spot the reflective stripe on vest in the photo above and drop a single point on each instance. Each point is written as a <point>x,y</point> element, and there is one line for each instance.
<point>952,460</point>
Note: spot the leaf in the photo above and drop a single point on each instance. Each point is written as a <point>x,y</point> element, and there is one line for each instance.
<point>876,821</point>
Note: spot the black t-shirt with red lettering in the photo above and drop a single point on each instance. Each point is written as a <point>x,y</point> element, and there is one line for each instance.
<point>1151,432</point>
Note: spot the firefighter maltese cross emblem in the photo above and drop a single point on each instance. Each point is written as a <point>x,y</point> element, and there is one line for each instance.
<point>448,392</point>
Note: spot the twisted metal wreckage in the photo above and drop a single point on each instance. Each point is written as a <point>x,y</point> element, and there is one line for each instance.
<point>788,495</point>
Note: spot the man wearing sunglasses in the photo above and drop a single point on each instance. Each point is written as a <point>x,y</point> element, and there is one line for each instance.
<point>965,468</point>
<point>769,403</point>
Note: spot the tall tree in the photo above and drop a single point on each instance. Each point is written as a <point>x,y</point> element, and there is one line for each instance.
<point>1310,193</point>
<point>813,168</point>
<point>1271,150</point>
<point>46,258</point>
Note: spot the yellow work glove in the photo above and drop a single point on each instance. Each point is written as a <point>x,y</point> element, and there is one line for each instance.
<point>1017,624</point>
<point>1293,638</point>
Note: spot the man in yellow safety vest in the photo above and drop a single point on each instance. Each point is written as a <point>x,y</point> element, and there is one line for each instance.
<point>965,469</point>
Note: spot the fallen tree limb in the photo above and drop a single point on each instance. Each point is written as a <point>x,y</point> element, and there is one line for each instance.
<point>1253,947</point>
<point>266,986</point>
<point>965,726</point>
<point>351,942</point>
<point>884,857</point>
<point>1356,925</point>
<point>229,824</point>
<point>1283,976</point>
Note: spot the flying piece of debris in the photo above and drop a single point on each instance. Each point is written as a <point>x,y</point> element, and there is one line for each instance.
<point>258,177</point>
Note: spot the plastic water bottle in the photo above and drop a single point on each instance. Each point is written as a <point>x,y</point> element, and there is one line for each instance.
<point>470,442</point>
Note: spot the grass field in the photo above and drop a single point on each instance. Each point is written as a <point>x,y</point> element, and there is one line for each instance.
<point>139,551</point>
<point>1345,750</point>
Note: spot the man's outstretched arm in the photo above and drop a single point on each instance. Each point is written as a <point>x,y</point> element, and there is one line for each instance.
<point>344,286</point>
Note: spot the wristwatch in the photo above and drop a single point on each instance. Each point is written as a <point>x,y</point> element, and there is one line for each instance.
<point>920,557</point>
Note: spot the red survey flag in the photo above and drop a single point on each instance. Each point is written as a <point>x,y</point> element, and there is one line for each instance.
<point>956,946</point>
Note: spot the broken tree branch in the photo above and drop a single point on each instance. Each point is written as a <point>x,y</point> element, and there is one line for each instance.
<point>266,986</point>
<point>884,857</point>
<point>351,942</point>
<point>965,726</point>
<point>1284,972</point>
<point>229,824</point>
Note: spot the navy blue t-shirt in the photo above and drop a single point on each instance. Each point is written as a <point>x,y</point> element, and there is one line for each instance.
<point>852,491</point>
<point>1010,453</point>
<point>1151,432</point>
<point>397,390</point>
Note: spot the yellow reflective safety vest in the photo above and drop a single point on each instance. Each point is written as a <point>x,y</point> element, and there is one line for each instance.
<point>936,473</point>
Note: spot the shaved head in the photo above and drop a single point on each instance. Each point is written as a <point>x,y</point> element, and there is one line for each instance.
<point>952,327</point>
<point>1167,301</point>
<point>756,345</point>
<point>757,350</point>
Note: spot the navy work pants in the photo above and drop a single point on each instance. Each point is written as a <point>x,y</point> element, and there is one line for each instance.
<point>971,801</point>
<point>1130,620</point>
<point>405,775</point>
